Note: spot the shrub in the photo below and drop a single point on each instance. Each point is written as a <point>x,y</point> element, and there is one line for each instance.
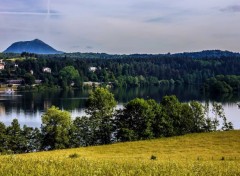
<point>75,155</point>
<point>153,157</point>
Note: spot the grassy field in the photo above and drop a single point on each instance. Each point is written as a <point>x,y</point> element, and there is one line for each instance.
<point>20,59</point>
<point>215,153</point>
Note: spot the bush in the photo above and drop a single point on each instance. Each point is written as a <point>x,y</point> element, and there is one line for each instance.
<point>75,155</point>
<point>153,157</point>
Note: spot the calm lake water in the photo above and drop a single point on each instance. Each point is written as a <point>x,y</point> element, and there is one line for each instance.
<point>28,107</point>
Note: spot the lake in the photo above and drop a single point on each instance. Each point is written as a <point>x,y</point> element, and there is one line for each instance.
<point>28,107</point>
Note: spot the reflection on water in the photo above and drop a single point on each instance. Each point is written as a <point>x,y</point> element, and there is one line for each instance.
<point>28,107</point>
<point>2,110</point>
<point>232,113</point>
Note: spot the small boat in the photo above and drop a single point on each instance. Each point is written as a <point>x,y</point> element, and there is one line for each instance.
<point>9,91</point>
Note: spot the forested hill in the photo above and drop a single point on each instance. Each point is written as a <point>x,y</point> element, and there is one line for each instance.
<point>208,54</point>
<point>122,70</point>
<point>77,55</point>
<point>195,55</point>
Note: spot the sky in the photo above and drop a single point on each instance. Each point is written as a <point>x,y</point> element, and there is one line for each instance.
<point>123,26</point>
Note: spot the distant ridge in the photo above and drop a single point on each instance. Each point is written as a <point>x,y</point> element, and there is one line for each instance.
<point>208,54</point>
<point>35,46</point>
<point>39,47</point>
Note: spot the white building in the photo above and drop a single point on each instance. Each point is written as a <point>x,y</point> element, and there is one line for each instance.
<point>1,66</point>
<point>92,69</point>
<point>46,70</point>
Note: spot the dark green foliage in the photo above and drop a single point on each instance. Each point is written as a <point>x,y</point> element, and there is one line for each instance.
<point>83,132</point>
<point>222,84</point>
<point>69,75</point>
<point>153,157</point>
<point>198,117</point>
<point>75,155</point>
<point>171,111</point>
<point>3,146</point>
<point>29,79</point>
<point>138,120</point>
<point>56,125</point>
<point>100,107</point>
<point>15,140</point>
<point>159,123</point>
<point>128,70</point>
<point>141,119</point>
<point>135,121</point>
<point>32,140</point>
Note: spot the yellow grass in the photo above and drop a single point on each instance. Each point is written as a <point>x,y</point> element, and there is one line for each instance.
<point>19,59</point>
<point>215,153</point>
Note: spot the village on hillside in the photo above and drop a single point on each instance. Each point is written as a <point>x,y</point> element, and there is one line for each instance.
<point>10,80</point>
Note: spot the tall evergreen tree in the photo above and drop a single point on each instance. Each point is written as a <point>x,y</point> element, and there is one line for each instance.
<point>2,137</point>
<point>15,138</point>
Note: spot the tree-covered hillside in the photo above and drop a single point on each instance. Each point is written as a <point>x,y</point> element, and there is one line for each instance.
<point>124,70</point>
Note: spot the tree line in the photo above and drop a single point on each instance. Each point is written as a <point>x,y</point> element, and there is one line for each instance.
<point>139,119</point>
<point>122,70</point>
<point>222,84</point>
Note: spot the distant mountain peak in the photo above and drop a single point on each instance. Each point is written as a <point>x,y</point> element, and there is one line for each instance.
<point>37,40</point>
<point>34,46</point>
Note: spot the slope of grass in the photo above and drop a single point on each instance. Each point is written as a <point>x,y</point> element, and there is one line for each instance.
<point>20,59</point>
<point>215,153</point>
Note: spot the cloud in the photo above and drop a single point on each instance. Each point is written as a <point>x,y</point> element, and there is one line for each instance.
<point>21,5</point>
<point>27,7</point>
<point>51,13</point>
<point>75,46</point>
<point>159,20</point>
<point>173,17</point>
<point>233,8</point>
<point>151,26</point>
<point>89,47</point>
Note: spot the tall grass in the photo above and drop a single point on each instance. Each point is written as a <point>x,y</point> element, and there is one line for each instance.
<point>194,154</point>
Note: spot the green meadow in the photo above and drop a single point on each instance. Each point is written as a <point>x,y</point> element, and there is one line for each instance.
<point>216,153</point>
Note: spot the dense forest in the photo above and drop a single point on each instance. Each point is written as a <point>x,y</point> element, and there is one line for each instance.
<point>72,69</point>
<point>222,84</point>
<point>139,119</point>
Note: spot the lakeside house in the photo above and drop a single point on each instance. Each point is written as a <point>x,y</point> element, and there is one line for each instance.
<point>92,69</point>
<point>91,84</point>
<point>96,84</point>
<point>38,81</point>
<point>46,70</point>
<point>2,64</point>
<point>2,110</point>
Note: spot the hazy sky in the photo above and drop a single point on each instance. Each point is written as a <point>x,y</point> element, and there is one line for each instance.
<point>123,26</point>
